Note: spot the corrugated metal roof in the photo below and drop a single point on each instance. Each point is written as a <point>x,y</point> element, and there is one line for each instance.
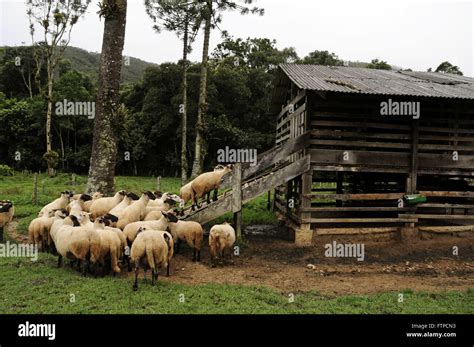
<point>380,82</point>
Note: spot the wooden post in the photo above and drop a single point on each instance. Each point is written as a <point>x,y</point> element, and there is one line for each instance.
<point>73,179</point>
<point>339,186</point>
<point>43,183</point>
<point>158,183</point>
<point>412,189</point>
<point>269,200</point>
<point>237,198</point>
<point>35,189</point>
<point>304,235</point>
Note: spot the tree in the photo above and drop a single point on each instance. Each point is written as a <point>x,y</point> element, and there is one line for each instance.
<point>379,65</point>
<point>108,110</point>
<point>447,67</point>
<point>56,18</point>
<point>322,58</point>
<point>182,17</point>
<point>212,16</point>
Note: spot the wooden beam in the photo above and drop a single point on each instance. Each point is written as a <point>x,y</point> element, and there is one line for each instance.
<point>355,231</point>
<point>361,220</point>
<point>346,197</point>
<point>237,198</point>
<point>414,158</point>
<point>447,229</point>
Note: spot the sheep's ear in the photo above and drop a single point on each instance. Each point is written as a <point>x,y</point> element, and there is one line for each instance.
<point>86,197</point>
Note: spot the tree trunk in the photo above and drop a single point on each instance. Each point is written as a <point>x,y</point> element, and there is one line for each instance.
<point>49,114</point>
<point>200,147</point>
<point>184,114</point>
<point>104,145</point>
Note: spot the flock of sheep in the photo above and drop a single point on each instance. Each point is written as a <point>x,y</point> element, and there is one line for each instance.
<point>101,234</point>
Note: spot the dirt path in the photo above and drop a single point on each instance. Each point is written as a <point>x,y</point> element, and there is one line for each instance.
<point>388,266</point>
<point>12,234</point>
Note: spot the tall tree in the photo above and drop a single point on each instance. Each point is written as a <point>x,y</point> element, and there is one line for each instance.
<point>182,17</point>
<point>212,16</point>
<point>108,109</point>
<point>56,18</point>
<point>447,67</point>
<point>322,58</point>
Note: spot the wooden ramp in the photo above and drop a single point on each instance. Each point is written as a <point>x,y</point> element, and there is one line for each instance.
<point>248,182</point>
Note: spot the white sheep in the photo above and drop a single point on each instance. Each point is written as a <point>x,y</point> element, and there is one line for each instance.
<point>77,206</point>
<point>131,229</point>
<point>102,206</point>
<point>189,232</point>
<point>87,204</point>
<point>153,215</point>
<point>127,200</point>
<point>205,183</point>
<point>7,211</point>
<point>38,230</point>
<point>135,212</point>
<point>221,238</point>
<point>153,250</point>
<point>57,204</point>
<point>110,246</point>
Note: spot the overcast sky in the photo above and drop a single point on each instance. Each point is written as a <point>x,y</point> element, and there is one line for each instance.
<point>415,34</point>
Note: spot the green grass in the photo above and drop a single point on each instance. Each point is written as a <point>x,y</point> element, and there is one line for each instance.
<point>39,287</point>
<point>19,189</point>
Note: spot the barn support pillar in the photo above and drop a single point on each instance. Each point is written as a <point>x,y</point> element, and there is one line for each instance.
<point>237,199</point>
<point>304,233</point>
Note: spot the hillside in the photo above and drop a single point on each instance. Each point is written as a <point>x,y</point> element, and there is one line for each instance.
<point>88,62</point>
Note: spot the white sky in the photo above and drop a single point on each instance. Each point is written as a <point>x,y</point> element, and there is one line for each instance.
<point>415,34</point>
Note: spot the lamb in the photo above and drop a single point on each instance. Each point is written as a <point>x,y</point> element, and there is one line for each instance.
<point>135,212</point>
<point>206,182</point>
<point>38,230</point>
<point>152,250</point>
<point>7,211</point>
<point>127,200</point>
<point>186,195</point>
<point>191,233</point>
<point>221,238</point>
<point>57,204</point>
<point>131,229</point>
<point>103,206</point>
<point>110,246</point>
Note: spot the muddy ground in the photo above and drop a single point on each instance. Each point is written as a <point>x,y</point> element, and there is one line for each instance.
<point>268,258</point>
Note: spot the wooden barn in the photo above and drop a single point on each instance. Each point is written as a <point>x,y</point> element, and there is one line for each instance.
<point>390,151</point>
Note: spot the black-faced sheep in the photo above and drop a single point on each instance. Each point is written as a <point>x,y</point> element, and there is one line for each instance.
<point>7,211</point>
<point>136,211</point>
<point>127,200</point>
<point>153,250</point>
<point>206,182</point>
<point>57,204</point>
<point>103,206</point>
<point>38,230</point>
<point>189,232</point>
<point>131,229</point>
<point>221,238</point>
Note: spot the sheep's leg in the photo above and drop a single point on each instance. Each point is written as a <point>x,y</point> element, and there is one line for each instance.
<point>1,233</point>
<point>198,255</point>
<point>194,254</point>
<point>85,268</point>
<point>128,264</point>
<point>135,283</point>
<point>208,198</point>
<point>214,198</point>
<point>168,269</point>
<point>177,246</point>
<point>60,258</point>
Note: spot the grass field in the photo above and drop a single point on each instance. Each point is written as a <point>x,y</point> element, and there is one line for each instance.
<point>40,287</point>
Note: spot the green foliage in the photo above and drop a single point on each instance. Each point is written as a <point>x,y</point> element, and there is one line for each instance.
<point>447,67</point>
<point>6,170</point>
<point>322,58</point>
<point>379,65</point>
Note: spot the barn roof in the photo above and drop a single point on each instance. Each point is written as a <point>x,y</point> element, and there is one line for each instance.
<point>378,82</point>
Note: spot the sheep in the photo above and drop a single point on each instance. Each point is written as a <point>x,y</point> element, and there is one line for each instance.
<point>205,183</point>
<point>77,206</point>
<point>131,229</point>
<point>102,206</point>
<point>81,243</point>
<point>153,215</point>
<point>190,232</point>
<point>127,200</point>
<point>152,250</point>
<point>87,204</point>
<point>57,204</point>
<point>59,236</point>
<point>110,246</point>
<point>39,228</point>
<point>135,212</point>
<point>7,211</point>
<point>163,202</point>
<point>186,195</point>
<point>221,237</point>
